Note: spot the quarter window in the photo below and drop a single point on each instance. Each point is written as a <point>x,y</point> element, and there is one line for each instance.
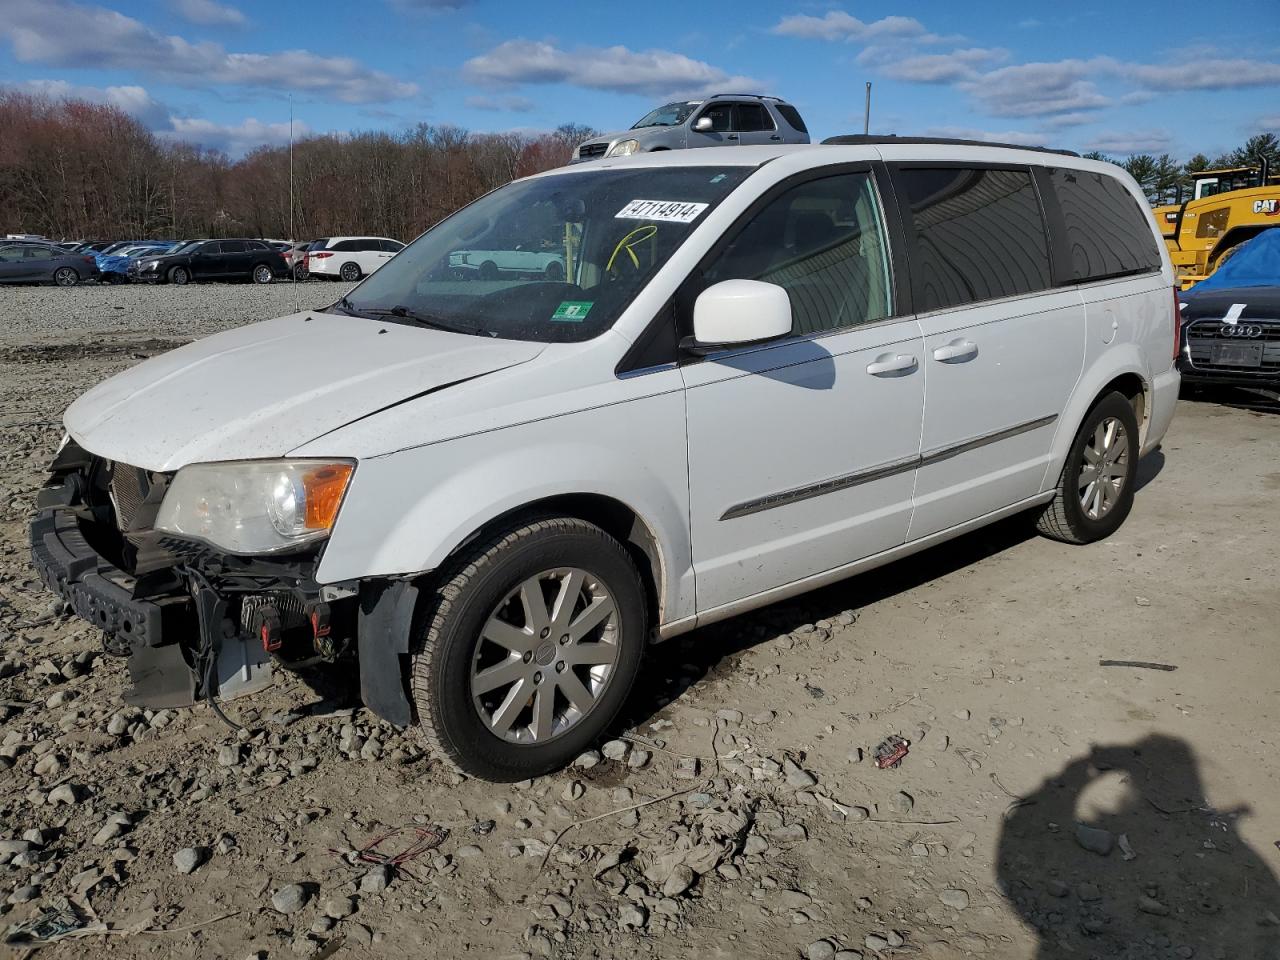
<point>233,246</point>
<point>1108,233</point>
<point>823,241</point>
<point>979,235</point>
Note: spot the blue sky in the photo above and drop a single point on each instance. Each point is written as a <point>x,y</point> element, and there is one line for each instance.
<point>1121,77</point>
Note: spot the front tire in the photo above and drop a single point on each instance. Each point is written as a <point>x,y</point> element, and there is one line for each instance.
<point>1095,490</point>
<point>180,276</point>
<point>530,645</point>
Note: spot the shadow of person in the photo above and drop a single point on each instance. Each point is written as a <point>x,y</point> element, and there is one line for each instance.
<point>1181,883</point>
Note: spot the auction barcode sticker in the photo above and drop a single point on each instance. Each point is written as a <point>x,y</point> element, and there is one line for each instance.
<point>668,211</point>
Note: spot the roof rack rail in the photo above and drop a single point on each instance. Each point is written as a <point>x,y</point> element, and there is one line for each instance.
<point>758,96</point>
<point>853,139</point>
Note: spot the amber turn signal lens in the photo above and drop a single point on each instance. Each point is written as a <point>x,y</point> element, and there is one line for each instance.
<point>324,487</point>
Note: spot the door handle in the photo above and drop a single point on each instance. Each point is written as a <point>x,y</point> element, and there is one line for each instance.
<point>957,351</point>
<point>888,363</point>
<point>775,137</point>
<point>732,136</point>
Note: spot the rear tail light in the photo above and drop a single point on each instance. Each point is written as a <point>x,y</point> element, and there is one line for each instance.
<point>1177,323</point>
<point>323,254</point>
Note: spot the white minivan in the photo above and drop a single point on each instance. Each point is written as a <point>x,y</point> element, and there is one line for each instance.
<point>761,370</point>
<point>349,258</point>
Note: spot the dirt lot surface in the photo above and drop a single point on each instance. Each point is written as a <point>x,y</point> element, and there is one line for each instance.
<point>1094,746</point>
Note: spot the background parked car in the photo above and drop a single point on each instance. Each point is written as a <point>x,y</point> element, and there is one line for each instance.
<point>232,259</point>
<point>511,260</point>
<point>295,258</point>
<point>723,120</point>
<point>113,266</point>
<point>350,258</point>
<point>44,263</point>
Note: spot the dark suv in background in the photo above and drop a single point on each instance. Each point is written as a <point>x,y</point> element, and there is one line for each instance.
<point>722,120</point>
<point>232,259</point>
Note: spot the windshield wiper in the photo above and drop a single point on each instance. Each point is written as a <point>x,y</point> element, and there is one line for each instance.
<point>426,319</point>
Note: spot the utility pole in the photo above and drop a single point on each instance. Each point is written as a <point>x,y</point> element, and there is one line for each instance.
<point>866,114</point>
<point>293,266</point>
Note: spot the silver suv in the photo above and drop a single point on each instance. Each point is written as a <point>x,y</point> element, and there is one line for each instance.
<point>722,120</point>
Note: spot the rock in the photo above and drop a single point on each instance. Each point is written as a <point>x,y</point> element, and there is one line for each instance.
<point>797,776</point>
<point>678,881</point>
<point>858,814</point>
<point>961,714</point>
<point>894,938</point>
<point>1094,839</point>
<point>902,802</point>
<point>469,851</point>
<point>226,843</point>
<point>188,859</point>
<point>290,899</point>
<point>376,880</point>
<point>1056,888</point>
<point>820,950</point>
<point>616,749</point>
<point>729,717</point>
<point>954,898</point>
<point>229,755</point>
<point>876,944</point>
<point>638,759</point>
<point>1088,892</point>
<point>67,793</point>
<point>849,955</point>
<point>25,893</point>
<point>587,760</point>
<point>116,826</point>
<point>339,908</point>
<point>1152,906</point>
<point>573,790</point>
<point>633,915</point>
<point>766,716</point>
<point>687,768</point>
<point>118,725</point>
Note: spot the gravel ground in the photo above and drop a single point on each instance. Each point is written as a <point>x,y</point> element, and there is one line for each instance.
<point>1091,771</point>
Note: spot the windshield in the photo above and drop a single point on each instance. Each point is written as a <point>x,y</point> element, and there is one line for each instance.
<point>553,259</point>
<point>189,247</point>
<point>668,115</point>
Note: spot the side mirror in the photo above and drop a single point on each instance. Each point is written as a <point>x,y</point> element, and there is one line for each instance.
<point>702,124</point>
<point>736,312</point>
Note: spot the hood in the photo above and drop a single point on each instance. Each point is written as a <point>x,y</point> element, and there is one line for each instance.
<point>265,389</point>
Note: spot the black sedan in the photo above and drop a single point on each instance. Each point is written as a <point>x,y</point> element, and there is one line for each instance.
<point>44,263</point>
<point>213,260</point>
<point>1232,336</point>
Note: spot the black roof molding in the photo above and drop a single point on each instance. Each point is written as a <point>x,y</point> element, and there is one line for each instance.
<point>753,96</point>
<point>857,139</point>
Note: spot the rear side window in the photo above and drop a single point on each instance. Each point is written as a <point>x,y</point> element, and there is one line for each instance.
<point>753,117</point>
<point>979,235</point>
<point>1108,233</point>
<point>233,246</point>
<point>792,116</point>
<point>391,246</point>
<point>318,244</point>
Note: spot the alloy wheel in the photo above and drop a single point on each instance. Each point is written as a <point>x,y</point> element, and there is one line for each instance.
<point>1104,469</point>
<point>546,654</point>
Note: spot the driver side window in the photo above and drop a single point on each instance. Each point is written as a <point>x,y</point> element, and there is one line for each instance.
<point>823,241</point>
<point>721,115</point>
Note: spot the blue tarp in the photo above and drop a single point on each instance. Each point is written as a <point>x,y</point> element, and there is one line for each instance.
<point>1255,263</point>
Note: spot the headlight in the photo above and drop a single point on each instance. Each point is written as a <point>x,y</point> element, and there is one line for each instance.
<point>150,265</point>
<point>255,506</point>
<point>623,148</point>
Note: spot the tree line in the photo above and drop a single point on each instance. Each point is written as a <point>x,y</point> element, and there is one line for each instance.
<point>71,169</point>
<point>1164,179</point>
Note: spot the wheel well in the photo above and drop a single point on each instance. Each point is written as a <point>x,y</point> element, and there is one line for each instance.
<point>614,518</point>
<point>1131,386</point>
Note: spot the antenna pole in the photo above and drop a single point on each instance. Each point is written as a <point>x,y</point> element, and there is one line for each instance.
<point>293,266</point>
<point>866,113</point>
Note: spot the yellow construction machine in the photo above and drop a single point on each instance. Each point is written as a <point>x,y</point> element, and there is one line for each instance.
<point>1228,206</point>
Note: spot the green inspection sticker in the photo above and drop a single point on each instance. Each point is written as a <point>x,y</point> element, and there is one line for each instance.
<point>572,311</point>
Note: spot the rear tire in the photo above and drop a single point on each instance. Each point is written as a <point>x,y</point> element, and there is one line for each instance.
<point>488,270</point>
<point>262,274</point>
<point>66,277</point>
<point>350,272</point>
<point>577,658</point>
<point>1095,490</point>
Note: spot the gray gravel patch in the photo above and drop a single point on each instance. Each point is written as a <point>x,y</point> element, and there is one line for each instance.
<point>29,314</point>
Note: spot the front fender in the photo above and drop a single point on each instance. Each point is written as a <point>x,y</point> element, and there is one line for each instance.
<point>408,511</point>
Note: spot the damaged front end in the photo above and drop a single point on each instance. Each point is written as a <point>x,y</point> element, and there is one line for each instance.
<point>195,623</point>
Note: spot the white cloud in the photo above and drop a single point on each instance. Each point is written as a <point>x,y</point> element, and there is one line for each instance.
<point>617,69</point>
<point>1022,137</point>
<point>1270,123</point>
<point>1038,89</point>
<point>207,13</point>
<point>134,101</point>
<point>1131,141</point>
<point>234,138</point>
<point>941,67</point>
<point>512,104</point>
<point>836,25</point>
<point>1202,74</point>
<point>104,39</point>
<point>1062,120</point>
